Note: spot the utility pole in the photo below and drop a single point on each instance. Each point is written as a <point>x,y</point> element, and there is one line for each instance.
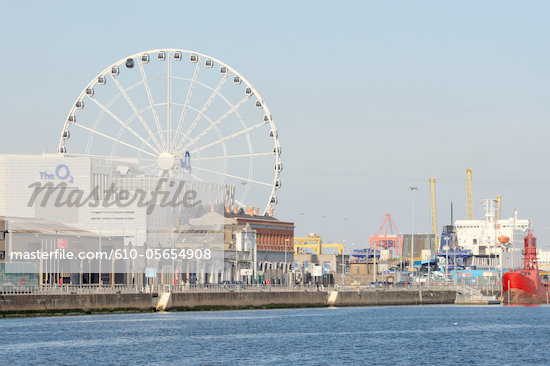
<point>343,264</point>
<point>286,269</point>
<point>412,189</point>
<point>374,268</point>
<point>469,195</point>
<point>447,259</point>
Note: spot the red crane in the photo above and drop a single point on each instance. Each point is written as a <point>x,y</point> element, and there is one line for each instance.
<point>385,240</point>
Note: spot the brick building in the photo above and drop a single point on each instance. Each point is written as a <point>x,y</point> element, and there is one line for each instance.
<point>273,235</point>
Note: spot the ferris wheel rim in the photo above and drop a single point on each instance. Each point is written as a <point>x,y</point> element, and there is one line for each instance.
<point>272,199</point>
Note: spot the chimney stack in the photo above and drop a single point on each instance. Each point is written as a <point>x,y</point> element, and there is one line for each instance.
<point>257,212</point>
<point>228,209</point>
<point>250,211</point>
<point>235,208</point>
<point>271,212</point>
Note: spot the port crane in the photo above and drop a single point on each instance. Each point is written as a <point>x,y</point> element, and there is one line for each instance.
<point>469,195</point>
<point>313,241</point>
<point>434,212</point>
<point>385,240</point>
<point>499,199</point>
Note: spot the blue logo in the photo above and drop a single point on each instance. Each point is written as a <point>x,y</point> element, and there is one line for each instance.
<point>62,172</point>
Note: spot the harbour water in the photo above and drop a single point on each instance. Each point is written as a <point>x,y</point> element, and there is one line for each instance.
<point>412,335</point>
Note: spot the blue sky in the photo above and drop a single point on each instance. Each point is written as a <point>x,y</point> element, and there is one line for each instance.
<point>369,97</point>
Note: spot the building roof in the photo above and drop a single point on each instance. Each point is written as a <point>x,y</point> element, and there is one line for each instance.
<point>40,226</point>
<point>242,217</point>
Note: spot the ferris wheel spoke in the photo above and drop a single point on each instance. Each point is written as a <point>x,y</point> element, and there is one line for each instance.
<point>114,139</point>
<point>151,103</point>
<point>239,203</point>
<point>245,191</point>
<point>209,128</point>
<point>197,178</point>
<point>234,156</point>
<point>187,98</point>
<point>234,176</point>
<point>203,109</point>
<point>136,112</point>
<point>147,166</point>
<point>242,132</point>
<point>125,125</point>
<point>168,105</point>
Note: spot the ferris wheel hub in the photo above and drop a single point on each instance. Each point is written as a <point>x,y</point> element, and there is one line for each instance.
<point>165,161</point>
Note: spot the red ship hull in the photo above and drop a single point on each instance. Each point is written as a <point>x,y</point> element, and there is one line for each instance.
<point>524,287</point>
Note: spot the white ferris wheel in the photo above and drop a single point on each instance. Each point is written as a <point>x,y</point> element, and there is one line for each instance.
<point>183,113</point>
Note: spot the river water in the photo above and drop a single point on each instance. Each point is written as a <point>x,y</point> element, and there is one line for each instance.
<point>411,335</point>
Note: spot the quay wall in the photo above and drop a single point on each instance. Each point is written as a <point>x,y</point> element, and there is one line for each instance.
<point>388,297</point>
<point>10,304</point>
<point>90,303</point>
<point>240,300</point>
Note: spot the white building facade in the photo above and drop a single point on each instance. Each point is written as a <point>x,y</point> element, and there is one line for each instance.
<point>115,197</point>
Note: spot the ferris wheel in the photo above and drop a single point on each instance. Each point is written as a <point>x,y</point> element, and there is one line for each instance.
<point>183,113</point>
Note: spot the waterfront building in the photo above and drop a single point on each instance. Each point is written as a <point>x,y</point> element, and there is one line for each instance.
<point>260,241</point>
<point>274,241</point>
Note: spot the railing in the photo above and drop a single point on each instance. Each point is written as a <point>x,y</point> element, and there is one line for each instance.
<point>247,288</point>
<point>69,289</point>
<point>129,289</point>
<point>410,287</point>
<point>125,289</point>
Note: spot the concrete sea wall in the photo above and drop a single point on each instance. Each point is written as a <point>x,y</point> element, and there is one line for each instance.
<point>89,303</point>
<point>20,304</point>
<point>388,297</point>
<point>240,300</point>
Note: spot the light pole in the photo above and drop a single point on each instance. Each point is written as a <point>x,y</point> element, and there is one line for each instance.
<point>454,265</point>
<point>374,261</point>
<point>286,269</point>
<point>447,259</point>
<point>412,189</point>
<point>343,264</point>
<point>343,242</point>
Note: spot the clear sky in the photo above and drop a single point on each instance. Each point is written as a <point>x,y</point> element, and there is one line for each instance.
<point>369,97</point>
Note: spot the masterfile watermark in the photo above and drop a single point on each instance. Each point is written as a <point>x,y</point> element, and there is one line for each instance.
<point>120,254</point>
<point>63,196</point>
<point>76,215</point>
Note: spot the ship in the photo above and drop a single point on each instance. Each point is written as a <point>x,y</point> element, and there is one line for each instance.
<point>525,286</point>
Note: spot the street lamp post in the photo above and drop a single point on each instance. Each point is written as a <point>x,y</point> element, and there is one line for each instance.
<point>446,259</point>
<point>412,189</point>
<point>286,269</point>
<point>454,265</point>
<point>343,264</point>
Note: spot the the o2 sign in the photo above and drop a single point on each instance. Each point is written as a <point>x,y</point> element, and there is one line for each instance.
<point>62,172</point>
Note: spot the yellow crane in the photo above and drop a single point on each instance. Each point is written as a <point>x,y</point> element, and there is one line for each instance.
<point>434,212</point>
<point>499,199</point>
<point>469,195</point>
<point>314,241</point>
